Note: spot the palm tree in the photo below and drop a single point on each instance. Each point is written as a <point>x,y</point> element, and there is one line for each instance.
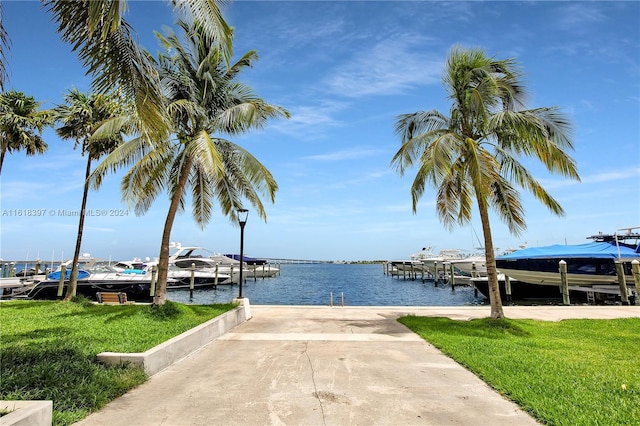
<point>473,153</point>
<point>21,124</point>
<point>106,45</point>
<point>80,118</point>
<point>204,101</point>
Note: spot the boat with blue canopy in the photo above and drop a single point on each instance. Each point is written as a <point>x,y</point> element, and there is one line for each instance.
<point>587,264</point>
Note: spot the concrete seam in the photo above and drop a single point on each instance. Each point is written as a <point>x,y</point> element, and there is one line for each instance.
<point>313,380</point>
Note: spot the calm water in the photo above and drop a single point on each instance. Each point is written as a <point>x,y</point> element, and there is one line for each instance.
<point>312,284</point>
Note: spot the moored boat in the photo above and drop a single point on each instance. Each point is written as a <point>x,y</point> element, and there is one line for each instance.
<point>137,289</point>
<point>94,275</point>
<point>518,290</point>
<point>588,265</point>
<point>185,257</point>
<point>473,266</point>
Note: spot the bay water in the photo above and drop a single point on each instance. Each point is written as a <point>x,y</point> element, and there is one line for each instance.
<point>327,283</point>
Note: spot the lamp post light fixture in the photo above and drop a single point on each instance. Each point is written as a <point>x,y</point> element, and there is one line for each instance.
<point>242,220</point>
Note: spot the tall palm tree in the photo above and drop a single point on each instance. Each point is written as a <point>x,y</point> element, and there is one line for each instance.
<point>107,45</point>
<point>472,154</point>
<point>80,118</point>
<point>204,101</point>
<point>21,124</point>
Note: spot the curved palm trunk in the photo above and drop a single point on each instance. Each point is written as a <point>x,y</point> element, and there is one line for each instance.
<point>163,261</point>
<point>492,273</point>
<point>4,149</point>
<point>73,278</point>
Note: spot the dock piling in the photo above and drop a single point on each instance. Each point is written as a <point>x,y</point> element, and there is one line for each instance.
<point>564,283</point>
<point>154,272</point>
<point>192,280</point>
<point>63,273</point>
<point>452,276</point>
<point>435,274</point>
<point>622,281</point>
<point>635,268</point>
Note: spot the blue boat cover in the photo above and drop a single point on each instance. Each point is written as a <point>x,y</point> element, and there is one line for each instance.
<point>56,275</point>
<point>246,259</point>
<point>602,250</point>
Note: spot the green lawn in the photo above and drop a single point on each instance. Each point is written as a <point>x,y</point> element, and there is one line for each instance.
<point>48,349</point>
<point>572,372</point>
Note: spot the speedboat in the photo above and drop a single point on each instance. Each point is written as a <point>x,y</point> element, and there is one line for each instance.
<point>588,265</point>
<point>94,276</point>
<point>435,263</point>
<point>471,266</point>
<point>185,257</point>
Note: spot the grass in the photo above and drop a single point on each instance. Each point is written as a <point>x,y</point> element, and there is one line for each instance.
<point>572,372</point>
<point>48,349</point>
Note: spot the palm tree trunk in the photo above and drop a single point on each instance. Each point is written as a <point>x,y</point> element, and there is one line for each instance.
<point>492,273</point>
<point>163,261</point>
<point>73,278</point>
<point>4,150</point>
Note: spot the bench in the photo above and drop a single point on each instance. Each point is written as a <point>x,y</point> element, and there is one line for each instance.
<point>113,298</point>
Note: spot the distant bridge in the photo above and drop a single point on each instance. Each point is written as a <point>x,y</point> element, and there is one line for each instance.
<point>279,260</point>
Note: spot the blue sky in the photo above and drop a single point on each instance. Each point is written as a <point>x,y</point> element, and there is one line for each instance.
<point>345,70</point>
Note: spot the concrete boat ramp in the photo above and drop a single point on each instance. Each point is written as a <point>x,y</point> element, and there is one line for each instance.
<point>309,365</point>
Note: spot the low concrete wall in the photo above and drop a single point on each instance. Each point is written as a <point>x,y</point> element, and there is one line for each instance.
<point>27,413</point>
<point>165,354</point>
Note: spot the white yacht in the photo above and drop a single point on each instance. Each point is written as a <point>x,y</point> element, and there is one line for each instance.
<point>186,256</point>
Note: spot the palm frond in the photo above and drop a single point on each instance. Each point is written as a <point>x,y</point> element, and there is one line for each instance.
<point>146,180</point>
<point>506,203</point>
<point>5,44</point>
<point>248,115</point>
<point>209,14</point>
<point>106,46</point>
<point>130,153</point>
<point>202,195</point>
<point>204,152</point>
<point>409,126</point>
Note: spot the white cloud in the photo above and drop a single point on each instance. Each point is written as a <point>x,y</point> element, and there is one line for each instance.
<point>389,67</point>
<point>310,121</point>
<point>578,14</point>
<point>604,177</point>
<point>344,154</point>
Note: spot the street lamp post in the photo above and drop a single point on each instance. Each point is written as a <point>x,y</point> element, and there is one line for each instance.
<point>242,220</point>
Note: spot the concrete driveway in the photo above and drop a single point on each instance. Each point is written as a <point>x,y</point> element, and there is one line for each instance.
<point>293,365</point>
<point>310,365</point>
